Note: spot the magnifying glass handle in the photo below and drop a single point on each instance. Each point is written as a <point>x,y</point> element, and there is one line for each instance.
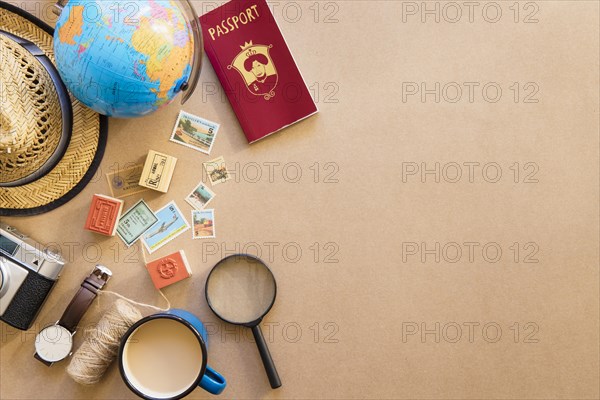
<point>266,357</point>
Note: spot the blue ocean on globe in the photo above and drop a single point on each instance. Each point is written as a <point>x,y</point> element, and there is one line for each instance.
<point>124,59</point>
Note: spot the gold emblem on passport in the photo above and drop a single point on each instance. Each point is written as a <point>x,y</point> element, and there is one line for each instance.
<point>255,65</point>
<point>167,268</point>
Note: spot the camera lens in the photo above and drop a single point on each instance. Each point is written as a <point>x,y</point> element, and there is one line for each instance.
<point>1,274</point>
<point>4,277</point>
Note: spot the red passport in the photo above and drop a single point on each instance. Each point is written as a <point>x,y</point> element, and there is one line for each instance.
<point>255,67</point>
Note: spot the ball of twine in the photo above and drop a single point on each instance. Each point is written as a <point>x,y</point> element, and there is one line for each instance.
<point>101,344</point>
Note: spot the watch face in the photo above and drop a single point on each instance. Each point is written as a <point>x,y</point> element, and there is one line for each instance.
<point>54,343</point>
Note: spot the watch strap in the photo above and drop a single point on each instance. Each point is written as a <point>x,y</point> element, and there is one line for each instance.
<point>84,298</point>
<point>47,363</point>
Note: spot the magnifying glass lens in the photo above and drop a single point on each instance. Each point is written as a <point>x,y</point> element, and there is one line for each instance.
<point>241,290</point>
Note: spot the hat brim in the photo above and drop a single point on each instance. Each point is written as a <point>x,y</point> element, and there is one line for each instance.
<point>84,152</point>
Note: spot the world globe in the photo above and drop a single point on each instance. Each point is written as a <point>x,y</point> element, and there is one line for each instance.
<point>125,59</point>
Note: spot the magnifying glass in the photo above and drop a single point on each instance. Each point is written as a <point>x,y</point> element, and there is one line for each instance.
<point>241,290</point>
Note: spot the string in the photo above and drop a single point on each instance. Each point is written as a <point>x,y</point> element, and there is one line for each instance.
<point>101,344</point>
<point>105,292</point>
<point>140,249</point>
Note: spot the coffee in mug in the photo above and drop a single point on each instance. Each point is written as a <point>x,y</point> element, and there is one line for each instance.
<point>164,357</point>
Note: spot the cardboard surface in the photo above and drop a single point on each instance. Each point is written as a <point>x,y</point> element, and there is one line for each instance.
<point>353,231</point>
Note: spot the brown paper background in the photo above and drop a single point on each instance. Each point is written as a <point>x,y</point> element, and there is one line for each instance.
<point>358,59</point>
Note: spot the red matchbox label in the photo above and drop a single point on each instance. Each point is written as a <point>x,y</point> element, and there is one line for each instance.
<point>255,67</point>
<point>169,269</point>
<point>104,215</point>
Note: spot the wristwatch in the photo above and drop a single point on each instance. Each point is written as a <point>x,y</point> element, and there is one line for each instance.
<point>55,342</point>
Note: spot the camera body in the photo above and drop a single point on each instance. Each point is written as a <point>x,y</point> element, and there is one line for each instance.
<point>28,273</point>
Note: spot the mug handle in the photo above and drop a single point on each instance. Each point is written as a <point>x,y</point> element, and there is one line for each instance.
<point>212,381</point>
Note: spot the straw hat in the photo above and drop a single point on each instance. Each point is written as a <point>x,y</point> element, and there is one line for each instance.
<point>50,144</point>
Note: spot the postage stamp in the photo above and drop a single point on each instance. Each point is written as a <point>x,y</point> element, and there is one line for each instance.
<point>195,132</point>
<point>217,171</point>
<point>135,222</point>
<point>125,182</point>
<point>171,224</point>
<point>203,222</point>
<point>200,196</point>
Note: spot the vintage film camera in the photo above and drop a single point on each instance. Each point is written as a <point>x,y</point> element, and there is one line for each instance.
<point>28,273</point>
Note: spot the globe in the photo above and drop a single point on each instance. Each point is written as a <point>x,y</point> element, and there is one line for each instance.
<point>124,59</point>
